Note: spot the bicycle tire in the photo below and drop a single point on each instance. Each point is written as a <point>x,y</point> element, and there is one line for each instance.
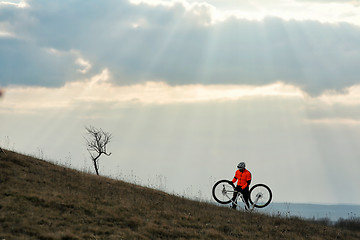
<point>264,193</point>
<point>223,191</point>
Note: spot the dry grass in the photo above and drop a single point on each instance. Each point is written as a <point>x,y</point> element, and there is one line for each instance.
<point>39,200</point>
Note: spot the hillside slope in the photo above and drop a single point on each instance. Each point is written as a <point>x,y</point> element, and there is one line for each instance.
<point>40,200</point>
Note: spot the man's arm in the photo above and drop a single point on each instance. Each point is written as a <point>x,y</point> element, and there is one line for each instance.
<point>234,179</point>
<point>248,182</point>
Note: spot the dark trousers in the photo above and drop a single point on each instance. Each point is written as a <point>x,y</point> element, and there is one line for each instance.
<point>245,192</point>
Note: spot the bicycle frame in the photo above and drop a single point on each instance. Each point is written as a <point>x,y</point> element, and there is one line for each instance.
<point>258,196</point>
<point>240,195</point>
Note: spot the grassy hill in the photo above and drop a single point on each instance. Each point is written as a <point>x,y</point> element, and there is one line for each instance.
<point>40,200</point>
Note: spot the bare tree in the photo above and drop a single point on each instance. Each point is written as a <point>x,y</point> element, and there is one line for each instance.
<point>2,151</point>
<point>97,141</point>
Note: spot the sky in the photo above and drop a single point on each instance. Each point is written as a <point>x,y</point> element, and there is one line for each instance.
<point>188,89</point>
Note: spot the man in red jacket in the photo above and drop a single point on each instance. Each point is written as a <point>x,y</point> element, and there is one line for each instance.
<point>243,178</point>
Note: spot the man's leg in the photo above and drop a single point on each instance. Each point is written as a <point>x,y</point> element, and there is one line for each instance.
<point>234,199</point>
<point>246,194</point>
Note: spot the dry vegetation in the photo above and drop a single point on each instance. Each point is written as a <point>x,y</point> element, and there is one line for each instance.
<point>39,200</point>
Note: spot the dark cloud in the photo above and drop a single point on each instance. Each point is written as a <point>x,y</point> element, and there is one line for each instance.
<point>23,63</point>
<point>172,44</point>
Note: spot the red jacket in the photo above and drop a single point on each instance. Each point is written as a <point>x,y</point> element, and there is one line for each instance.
<point>243,178</point>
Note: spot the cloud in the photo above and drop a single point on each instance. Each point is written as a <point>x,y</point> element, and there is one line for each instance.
<point>25,63</point>
<point>101,97</point>
<point>335,121</point>
<point>99,91</point>
<point>335,1</point>
<point>177,43</point>
<point>19,4</point>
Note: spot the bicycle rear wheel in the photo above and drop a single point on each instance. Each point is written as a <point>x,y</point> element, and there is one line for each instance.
<point>223,191</point>
<point>260,195</point>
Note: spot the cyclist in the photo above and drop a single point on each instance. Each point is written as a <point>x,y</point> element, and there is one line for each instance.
<point>243,178</point>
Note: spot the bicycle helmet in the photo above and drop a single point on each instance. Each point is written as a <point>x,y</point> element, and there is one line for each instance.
<point>241,165</point>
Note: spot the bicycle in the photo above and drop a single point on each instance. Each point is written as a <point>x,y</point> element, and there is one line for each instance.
<point>260,194</point>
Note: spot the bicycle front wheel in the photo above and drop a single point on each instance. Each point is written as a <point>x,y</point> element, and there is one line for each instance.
<point>223,191</point>
<point>260,195</point>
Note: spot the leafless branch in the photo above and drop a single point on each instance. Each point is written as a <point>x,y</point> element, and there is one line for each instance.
<point>97,142</point>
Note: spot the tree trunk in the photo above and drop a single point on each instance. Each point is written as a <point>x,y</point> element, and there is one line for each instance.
<point>96,164</point>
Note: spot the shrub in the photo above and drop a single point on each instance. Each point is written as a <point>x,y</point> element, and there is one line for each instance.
<point>352,223</point>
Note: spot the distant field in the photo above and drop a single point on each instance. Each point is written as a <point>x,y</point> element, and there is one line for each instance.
<point>40,200</point>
